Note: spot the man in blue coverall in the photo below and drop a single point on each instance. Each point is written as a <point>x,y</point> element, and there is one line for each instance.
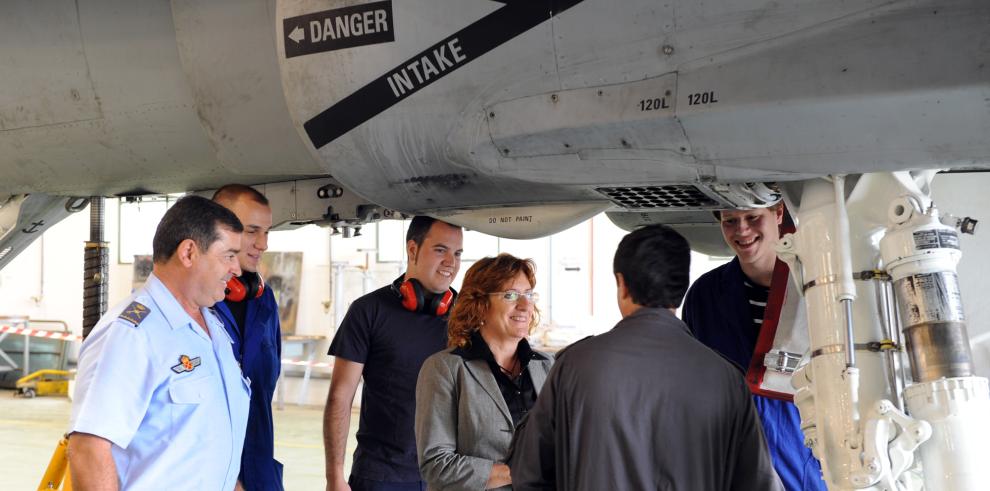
<point>250,315</point>
<point>724,308</point>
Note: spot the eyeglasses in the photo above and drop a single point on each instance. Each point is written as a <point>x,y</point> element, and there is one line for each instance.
<point>512,296</point>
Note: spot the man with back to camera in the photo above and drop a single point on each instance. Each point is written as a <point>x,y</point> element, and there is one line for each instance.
<point>250,315</point>
<point>385,337</point>
<point>645,405</point>
<point>725,308</point>
<point>160,402</point>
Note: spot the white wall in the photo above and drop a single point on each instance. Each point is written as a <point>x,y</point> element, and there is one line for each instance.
<point>966,195</point>
<point>574,279</point>
<point>574,274</point>
<point>45,280</point>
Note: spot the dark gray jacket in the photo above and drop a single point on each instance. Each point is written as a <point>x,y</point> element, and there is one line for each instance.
<point>644,406</point>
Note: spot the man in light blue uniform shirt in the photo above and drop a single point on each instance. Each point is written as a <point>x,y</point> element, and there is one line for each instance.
<point>160,401</point>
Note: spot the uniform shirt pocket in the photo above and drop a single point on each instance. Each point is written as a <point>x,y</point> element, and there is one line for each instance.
<point>191,404</point>
<point>191,391</point>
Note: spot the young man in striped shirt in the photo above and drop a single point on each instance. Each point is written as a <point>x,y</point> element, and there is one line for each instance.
<point>724,308</point>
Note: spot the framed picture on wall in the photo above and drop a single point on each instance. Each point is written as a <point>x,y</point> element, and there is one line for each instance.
<point>142,269</point>
<point>282,272</point>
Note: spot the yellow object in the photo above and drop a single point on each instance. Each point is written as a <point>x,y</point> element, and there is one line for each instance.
<point>44,382</point>
<point>58,469</point>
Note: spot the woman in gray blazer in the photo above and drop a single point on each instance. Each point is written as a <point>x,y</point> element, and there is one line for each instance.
<point>470,397</point>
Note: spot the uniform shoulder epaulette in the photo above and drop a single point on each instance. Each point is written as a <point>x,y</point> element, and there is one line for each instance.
<point>135,313</point>
<point>563,350</point>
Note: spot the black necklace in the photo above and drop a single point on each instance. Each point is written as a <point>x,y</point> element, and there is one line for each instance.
<point>509,373</point>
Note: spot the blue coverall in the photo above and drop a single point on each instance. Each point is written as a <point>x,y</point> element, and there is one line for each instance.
<point>258,348</point>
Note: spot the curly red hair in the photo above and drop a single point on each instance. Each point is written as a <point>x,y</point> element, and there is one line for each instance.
<point>488,275</point>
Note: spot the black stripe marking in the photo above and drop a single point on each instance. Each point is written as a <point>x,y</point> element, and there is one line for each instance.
<point>489,32</point>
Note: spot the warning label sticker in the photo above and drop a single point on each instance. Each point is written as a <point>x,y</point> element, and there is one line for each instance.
<point>926,239</point>
<point>949,239</point>
<point>936,239</point>
<point>357,25</point>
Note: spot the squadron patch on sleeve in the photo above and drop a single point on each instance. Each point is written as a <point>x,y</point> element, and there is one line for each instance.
<point>134,313</point>
<point>187,364</point>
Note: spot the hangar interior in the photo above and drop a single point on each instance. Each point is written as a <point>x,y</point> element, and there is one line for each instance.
<point>324,273</point>
<point>319,276</point>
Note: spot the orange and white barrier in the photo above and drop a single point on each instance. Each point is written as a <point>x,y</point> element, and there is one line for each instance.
<point>303,363</point>
<point>39,333</point>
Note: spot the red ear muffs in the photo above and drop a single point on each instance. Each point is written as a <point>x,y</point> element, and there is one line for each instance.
<point>247,286</point>
<point>442,303</point>
<point>412,294</point>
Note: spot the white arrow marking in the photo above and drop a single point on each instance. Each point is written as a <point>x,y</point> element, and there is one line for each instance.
<point>297,34</point>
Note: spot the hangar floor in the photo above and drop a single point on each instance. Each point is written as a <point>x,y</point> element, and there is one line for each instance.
<point>30,428</point>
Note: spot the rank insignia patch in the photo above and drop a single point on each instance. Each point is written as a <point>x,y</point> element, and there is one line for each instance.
<point>186,364</point>
<point>134,313</point>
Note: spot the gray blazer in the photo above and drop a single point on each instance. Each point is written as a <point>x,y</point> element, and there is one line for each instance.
<point>463,426</point>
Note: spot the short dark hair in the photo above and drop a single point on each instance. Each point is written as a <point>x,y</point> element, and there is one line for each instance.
<point>192,217</point>
<point>420,226</point>
<point>655,262</point>
<point>229,193</point>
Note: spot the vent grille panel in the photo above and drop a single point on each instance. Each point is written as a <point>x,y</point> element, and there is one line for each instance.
<point>652,197</point>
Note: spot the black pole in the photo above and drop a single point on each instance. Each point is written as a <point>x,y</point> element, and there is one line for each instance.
<point>95,268</point>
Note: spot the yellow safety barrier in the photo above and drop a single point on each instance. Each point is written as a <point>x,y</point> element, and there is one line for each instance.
<point>57,473</point>
<point>44,383</point>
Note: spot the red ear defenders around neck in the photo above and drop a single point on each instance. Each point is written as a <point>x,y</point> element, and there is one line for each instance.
<point>413,297</point>
<point>248,285</point>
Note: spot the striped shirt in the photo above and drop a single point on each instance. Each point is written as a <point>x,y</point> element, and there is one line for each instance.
<point>757,296</point>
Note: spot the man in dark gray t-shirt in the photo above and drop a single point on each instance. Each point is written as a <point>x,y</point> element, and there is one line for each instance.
<point>384,338</point>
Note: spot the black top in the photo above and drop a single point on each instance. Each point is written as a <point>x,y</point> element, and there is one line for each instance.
<point>392,343</point>
<point>717,310</point>
<point>519,393</point>
<point>239,311</point>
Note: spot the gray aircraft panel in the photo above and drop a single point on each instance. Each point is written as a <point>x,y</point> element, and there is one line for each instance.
<point>144,96</point>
